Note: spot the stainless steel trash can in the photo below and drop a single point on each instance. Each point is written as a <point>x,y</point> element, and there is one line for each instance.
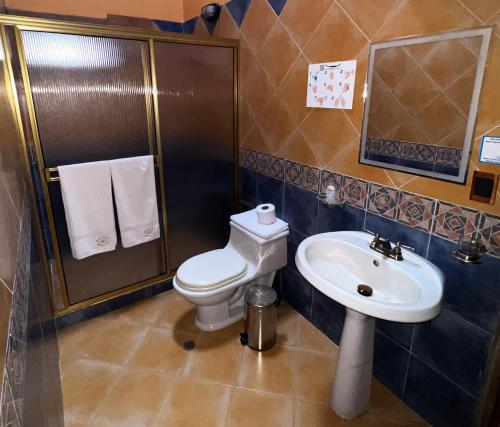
<point>260,317</point>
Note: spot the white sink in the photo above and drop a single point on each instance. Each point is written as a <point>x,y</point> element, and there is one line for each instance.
<point>410,290</point>
<point>403,291</point>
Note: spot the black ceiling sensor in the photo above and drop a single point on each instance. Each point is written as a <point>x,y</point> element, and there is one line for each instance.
<point>210,12</point>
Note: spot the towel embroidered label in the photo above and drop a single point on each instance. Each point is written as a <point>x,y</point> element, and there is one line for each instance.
<point>102,241</point>
<point>149,231</point>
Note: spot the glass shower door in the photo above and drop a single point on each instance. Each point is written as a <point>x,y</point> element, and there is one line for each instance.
<point>196,111</point>
<point>92,101</point>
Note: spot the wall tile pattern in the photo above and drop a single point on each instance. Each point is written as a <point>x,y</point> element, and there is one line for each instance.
<point>408,357</point>
<point>276,49</point>
<point>424,213</point>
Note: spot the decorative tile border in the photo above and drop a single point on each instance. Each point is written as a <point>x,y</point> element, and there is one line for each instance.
<point>423,213</point>
<point>427,153</point>
<point>416,211</point>
<point>383,200</point>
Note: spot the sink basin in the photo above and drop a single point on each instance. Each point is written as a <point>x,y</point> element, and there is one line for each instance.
<point>410,290</point>
<point>403,291</point>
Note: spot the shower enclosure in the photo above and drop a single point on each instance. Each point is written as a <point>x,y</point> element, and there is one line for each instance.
<point>86,93</point>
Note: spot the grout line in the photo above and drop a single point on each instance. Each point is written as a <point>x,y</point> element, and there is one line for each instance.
<point>390,15</point>
<point>353,21</point>
<point>471,12</point>
<point>403,391</point>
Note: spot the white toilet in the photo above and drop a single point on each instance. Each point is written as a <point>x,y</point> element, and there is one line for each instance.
<point>215,281</point>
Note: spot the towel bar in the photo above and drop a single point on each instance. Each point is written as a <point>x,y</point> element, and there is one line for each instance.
<point>51,177</point>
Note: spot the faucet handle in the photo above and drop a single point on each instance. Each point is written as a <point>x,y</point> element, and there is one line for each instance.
<point>404,246</point>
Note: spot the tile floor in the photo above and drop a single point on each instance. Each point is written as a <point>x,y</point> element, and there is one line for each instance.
<point>129,368</point>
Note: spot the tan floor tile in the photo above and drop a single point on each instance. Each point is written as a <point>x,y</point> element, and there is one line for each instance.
<point>216,358</point>
<point>162,349</point>
<point>135,400</point>
<point>271,370</point>
<point>116,342</point>
<point>196,403</point>
<point>310,338</point>
<point>177,312</point>
<point>148,310</point>
<point>75,423</point>
<point>84,384</point>
<point>253,408</point>
<point>72,338</point>
<point>314,376</point>
<point>286,331</point>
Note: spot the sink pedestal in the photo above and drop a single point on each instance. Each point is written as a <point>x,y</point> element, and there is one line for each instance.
<point>353,373</point>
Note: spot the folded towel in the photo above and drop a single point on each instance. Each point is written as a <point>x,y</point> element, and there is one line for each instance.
<point>248,220</point>
<point>88,205</point>
<point>135,197</point>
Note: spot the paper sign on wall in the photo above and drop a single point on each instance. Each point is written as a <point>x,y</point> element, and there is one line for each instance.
<point>490,150</point>
<point>331,85</point>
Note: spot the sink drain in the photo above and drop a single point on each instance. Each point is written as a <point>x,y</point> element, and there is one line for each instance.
<point>365,290</point>
<point>189,345</point>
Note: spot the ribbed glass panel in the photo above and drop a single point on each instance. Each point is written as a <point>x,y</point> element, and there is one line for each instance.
<point>89,95</point>
<point>196,102</point>
<point>92,99</point>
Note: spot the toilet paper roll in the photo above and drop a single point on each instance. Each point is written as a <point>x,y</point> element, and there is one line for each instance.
<point>266,214</point>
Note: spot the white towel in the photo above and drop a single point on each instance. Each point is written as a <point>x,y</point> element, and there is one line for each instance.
<point>135,197</point>
<point>248,220</point>
<point>88,204</point>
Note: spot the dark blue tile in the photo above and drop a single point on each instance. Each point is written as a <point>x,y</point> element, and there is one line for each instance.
<point>470,289</point>
<point>402,333</point>
<point>210,25</point>
<point>328,316</point>
<point>447,170</point>
<point>346,218</point>
<point>294,239</point>
<point>169,26</point>
<point>270,190</point>
<point>188,26</point>
<point>397,232</point>
<point>417,164</point>
<point>238,10</point>
<point>390,362</point>
<point>455,348</point>
<point>248,187</point>
<point>437,399</point>
<point>300,209</point>
<point>296,291</point>
<point>277,5</point>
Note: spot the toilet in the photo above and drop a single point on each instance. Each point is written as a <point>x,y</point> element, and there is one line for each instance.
<point>215,281</point>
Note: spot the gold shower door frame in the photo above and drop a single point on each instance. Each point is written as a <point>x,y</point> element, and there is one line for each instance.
<point>43,25</point>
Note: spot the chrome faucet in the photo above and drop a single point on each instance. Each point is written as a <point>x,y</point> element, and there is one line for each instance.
<point>384,247</point>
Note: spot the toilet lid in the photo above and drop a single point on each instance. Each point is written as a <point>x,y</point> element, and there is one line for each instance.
<point>211,270</point>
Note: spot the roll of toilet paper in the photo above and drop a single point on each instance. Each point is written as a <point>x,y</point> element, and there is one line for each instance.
<point>266,214</point>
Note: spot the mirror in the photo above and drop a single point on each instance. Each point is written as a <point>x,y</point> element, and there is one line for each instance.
<point>421,102</point>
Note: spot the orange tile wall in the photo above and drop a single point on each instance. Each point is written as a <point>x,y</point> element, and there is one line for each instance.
<point>168,10</point>
<point>275,52</point>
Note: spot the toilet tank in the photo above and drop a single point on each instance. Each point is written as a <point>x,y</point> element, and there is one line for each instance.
<point>264,255</point>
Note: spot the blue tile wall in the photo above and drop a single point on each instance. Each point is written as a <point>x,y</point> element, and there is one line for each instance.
<point>270,190</point>
<point>436,367</point>
<point>169,26</point>
<point>238,10</point>
<point>277,5</point>
<point>300,209</point>
<point>390,363</point>
<point>436,398</point>
<point>189,25</point>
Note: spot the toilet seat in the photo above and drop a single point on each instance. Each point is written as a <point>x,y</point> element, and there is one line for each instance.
<point>211,270</point>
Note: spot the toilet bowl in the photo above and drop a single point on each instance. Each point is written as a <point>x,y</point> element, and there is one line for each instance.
<point>215,281</point>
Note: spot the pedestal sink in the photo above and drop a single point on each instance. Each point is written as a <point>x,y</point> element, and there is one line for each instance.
<point>407,291</point>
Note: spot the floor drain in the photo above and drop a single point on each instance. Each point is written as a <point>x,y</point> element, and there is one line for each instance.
<point>189,345</point>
